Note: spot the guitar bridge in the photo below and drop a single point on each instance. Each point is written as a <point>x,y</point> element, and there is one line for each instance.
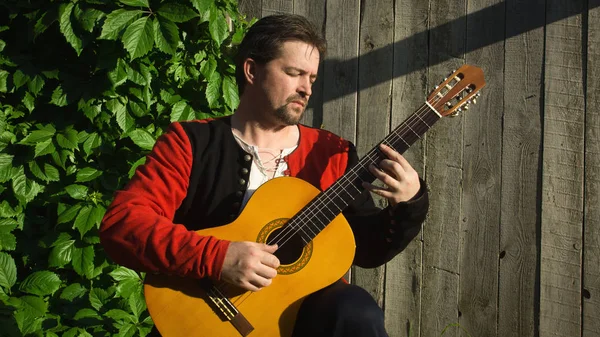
<point>227,310</point>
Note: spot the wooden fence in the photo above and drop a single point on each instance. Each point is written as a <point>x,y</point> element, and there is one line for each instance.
<point>511,246</point>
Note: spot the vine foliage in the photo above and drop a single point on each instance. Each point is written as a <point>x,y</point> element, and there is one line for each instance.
<point>86,87</point>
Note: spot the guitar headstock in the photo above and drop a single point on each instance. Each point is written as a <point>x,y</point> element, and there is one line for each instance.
<point>457,91</point>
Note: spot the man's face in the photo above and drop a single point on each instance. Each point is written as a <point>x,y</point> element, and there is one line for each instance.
<point>286,81</point>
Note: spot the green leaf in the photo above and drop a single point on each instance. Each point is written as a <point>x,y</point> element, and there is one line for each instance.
<point>208,67</point>
<point>72,292</point>
<point>62,251</point>
<point>139,38</point>
<point>166,35</point>
<point>37,171</point>
<point>44,147</point>
<point>83,260</point>
<point>68,214</point>
<point>141,3</point>
<point>3,80</point>
<point>230,92</point>
<point>25,189</point>
<point>67,140</point>
<point>38,136</point>
<point>213,90</point>
<point>182,112</point>
<point>7,241</point>
<point>124,120</point>
<point>8,272</point>
<point>6,167</point>
<point>41,283</point>
<point>87,174</point>
<point>36,85</point>
<point>58,97</point>
<point>120,315</point>
<point>142,138</point>
<point>203,5</point>
<point>66,27</point>
<point>123,273</point>
<point>29,101</point>
<point>118,75</point>
<point>126,288</point>
<point>135,165</point>
<point>86,313</point>
<point>87,218</point>
<point>117,21</point>
<point>19,79</point>
<point>177,12</point>
<point>217,26</point>
<point>93,141</point>
<point>78,192</point>
<point>127,330</point>
<point>137,304</point>
<point>51,172</point>
<point>31,309</point>
<point>88,18</point>
<point>7,211</point>
<point>98,298</point>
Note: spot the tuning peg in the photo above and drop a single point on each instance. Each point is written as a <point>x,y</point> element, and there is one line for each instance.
<point>466,107</point>
<point>474,101</point>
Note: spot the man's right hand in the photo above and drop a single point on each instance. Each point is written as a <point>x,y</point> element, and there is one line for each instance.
<point>250,265</point>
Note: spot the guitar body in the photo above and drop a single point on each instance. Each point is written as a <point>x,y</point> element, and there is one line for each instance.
<point>182,307</point>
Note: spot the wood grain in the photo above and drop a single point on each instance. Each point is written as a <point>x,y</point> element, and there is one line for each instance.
<point>563,175</point>
<point>376,33</point>
<point>591,248</point>
<point>482,178</point>
<point>521,170</point>
<point>444,173</point>
<point>409,90</point>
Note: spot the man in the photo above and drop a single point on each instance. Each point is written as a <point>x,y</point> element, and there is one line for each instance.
<point>201,174</point>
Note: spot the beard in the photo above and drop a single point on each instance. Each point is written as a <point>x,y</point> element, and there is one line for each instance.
<point>288,114</point>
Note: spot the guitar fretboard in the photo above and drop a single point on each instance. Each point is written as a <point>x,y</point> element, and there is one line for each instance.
<point>318,213</point>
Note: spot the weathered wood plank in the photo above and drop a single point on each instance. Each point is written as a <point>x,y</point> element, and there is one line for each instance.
<point>409,91</point>
<point>376,34</point>
<point>480,229</point>
<point>270,7</point>
<point>521,165</point>
<point>562,202</point>
<point>314,11</point>
<point>340,73</point>
<point>443,168</point>
<point>591,248</point>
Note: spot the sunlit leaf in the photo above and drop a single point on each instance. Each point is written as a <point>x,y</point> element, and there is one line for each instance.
<point>139,37</point>
<point>41,283</point>
<point>66,27</point>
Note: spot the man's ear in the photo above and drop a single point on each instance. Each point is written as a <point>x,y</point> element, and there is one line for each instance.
<point>250,70</point>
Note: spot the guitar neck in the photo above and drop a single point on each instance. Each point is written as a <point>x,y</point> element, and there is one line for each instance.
<point>313,218</point>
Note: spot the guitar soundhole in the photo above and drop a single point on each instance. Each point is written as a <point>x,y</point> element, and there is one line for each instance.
<point>290,246</point>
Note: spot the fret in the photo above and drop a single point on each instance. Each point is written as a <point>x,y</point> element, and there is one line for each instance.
<point>330,203</point>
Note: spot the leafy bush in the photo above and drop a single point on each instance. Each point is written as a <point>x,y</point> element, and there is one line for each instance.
<point>86,87</point>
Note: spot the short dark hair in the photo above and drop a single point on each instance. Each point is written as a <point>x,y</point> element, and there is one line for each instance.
<point>263,41</point>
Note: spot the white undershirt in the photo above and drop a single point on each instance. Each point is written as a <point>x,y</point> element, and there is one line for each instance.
<point>257,176</point>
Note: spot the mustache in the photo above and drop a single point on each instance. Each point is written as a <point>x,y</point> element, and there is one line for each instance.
<point>297,98</point>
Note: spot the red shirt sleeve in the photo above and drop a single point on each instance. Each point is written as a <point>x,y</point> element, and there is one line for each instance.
<point>138,230</point>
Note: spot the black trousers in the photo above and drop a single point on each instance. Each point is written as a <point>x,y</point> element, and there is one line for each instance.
<point>340,310</point>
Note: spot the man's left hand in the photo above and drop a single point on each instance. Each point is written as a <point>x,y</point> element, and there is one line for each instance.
<point>401,181</point>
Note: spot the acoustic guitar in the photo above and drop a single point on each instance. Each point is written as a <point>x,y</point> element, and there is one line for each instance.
<point>316,244</point>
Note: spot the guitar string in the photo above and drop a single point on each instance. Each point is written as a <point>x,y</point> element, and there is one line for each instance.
<point>314,208</point>
<point>301,223</point>
<point>414,120</point>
